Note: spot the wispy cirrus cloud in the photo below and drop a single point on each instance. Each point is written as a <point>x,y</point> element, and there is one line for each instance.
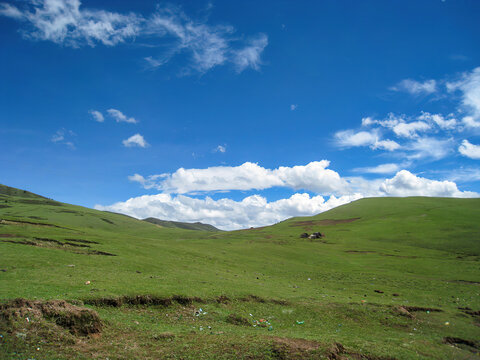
<point>68,23</point>
<point>389,168</point>
<point>64,136</point>
<point>63,22</point>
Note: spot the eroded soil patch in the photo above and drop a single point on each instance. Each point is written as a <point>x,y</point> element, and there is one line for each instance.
<point>469,345</point>
<point>78,320</point>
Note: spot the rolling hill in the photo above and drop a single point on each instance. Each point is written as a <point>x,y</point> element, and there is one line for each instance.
<point>181,225</point>
<point>390,278</point>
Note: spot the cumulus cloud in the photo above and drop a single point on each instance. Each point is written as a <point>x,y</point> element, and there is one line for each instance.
<point>249,176</point>
<point>121,117</point>
<point>469,150</point>
<point>410,130</point>
<point>255,210</point>
<point>415,87</point>
<point>225,213</point>
<point>404,183</point>
<point>97,115</point>
<point>448,123</point>
<point>350,138</point>
<point>66,22</point>
<point>470,122</point>
<point>135,140</point>
<point>469,86</point>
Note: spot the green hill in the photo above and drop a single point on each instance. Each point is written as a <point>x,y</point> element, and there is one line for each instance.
<point>390,278</point>
<point>182,225</point>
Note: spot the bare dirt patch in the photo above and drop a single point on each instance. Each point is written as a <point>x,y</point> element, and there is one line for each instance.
<point>7,235</point>
<point>78,320</point>
<point>360,252</point>
<point>338,352</point>
<point>148,300</point>
<point>324,222</point>
<point>287,348</point>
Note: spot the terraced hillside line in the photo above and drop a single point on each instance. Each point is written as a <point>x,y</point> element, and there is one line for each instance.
<point>24,222</point>
<point>325,222</point>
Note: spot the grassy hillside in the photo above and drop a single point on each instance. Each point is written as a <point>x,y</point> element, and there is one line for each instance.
<point>390,278</point>
<point>182,225</point>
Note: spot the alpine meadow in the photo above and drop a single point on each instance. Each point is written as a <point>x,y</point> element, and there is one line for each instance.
<point>217,179</point>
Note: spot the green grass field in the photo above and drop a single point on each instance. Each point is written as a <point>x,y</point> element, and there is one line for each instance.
<point>392,278</point>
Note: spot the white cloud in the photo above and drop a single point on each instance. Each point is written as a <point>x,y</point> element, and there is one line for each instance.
<point>135,140</point>
<point>416,87</point>
<point>469,86</point>
<point>63,136</point>
<point>379,169</point>
<point>255,210</point>
<point>66,22</point>
<point>470,122</point>
<point>469,150</point>
<point>389,145</point>
<point>63,22</point>
<point>409,130</point>
<point>208,46</point>
<point>250,55</point>
<point>293,107</point>
<point>350,138</point>
<point>225,213</point>
<point>444,124</point>
<point>314,177</point>
<point>120,117</point>
<point>10,11</point>
<point>221,149</point>
<point>404,183</point>
<point>430,148</point>
<point>97,115</point>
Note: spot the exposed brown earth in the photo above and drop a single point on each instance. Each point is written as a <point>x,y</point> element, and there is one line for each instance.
<point>78,320</point>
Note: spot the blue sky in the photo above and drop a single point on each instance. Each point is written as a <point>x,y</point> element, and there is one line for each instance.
<point>239,113</point>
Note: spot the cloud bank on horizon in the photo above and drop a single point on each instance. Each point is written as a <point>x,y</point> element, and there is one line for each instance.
<point>419,138</point>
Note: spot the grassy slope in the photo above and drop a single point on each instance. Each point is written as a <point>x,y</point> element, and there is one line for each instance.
<point>426,250</point>
<point>182,225</point>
